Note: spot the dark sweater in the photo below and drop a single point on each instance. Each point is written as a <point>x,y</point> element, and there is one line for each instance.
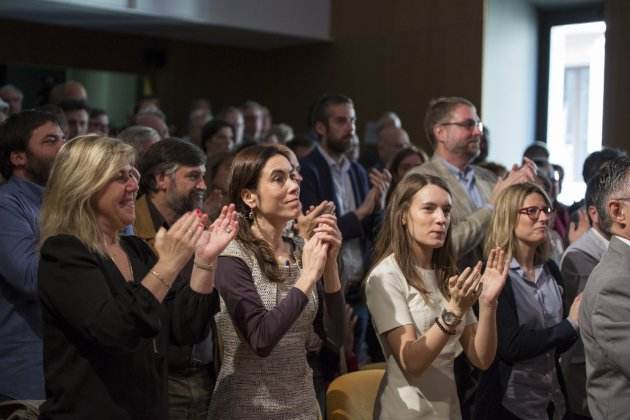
<point>104,338</point>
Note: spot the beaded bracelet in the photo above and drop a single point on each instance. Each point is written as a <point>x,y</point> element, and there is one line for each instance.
<point>443,328</point>
<point>161,279</point>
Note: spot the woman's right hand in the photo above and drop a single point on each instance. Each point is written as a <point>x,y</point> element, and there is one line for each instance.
<point>176,245</point>
<point>574,310</point>
<point>314,256</point>
<point>464,290</point>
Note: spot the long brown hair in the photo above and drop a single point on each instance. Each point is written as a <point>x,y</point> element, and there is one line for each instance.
<point>395,238</point>
<point>245,174</point>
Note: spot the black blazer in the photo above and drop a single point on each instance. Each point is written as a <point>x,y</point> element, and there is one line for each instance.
<point>318,185</point>
<point>516,343</point>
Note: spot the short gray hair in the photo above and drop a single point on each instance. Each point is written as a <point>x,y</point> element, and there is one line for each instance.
<point>137,135</point>
<point>613,178</point>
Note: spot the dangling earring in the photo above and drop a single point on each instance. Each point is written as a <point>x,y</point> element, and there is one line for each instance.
<point>250,215</point>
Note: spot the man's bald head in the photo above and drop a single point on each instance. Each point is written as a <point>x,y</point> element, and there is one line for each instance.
<point>70,90</point>
<point>390,141</point>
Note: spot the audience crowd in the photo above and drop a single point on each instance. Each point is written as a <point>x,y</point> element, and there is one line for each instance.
<point>235,270</point>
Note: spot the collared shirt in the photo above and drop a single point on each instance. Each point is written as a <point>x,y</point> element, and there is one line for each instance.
<point>624,240</point>
<point>533,383</point>
<point>351,253</point>
<point>466,178</point>
<point>21,359</point>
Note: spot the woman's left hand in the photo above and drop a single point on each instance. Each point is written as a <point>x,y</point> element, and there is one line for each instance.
<point>494,276</point>
<point>217,236</point>
<point>326,225</point>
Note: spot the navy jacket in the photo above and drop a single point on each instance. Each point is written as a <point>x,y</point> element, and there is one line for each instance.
<point>318,185</point>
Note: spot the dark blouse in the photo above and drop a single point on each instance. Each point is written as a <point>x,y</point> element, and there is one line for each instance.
<point>263,329</point>
<point>104,338</point>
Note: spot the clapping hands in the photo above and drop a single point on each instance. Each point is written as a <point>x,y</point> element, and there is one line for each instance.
<point>218,235</point>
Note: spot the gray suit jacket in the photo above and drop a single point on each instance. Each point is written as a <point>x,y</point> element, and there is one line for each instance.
<point>605,331</point>
<point>468,224</point>
<point>578,262</point>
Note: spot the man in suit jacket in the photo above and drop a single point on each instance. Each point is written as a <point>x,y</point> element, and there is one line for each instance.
<point>605,310</point>
<point>576,266</point>
<point>453,128</point>
<point>329,175</point>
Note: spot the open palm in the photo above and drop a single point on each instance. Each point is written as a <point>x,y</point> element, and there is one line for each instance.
<point>494,276</point>
<point>218,236</point>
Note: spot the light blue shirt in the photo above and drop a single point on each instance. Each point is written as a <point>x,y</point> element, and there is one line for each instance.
<point>467,180</point>
<point>533,383</point>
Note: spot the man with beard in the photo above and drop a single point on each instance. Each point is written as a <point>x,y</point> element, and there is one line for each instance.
<point>454,130</point>
<point>29,142</point>
<point>172,183</point>
<point>329,175</point>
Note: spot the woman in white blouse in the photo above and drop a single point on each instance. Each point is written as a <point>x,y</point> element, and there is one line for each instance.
<point>421,312</point>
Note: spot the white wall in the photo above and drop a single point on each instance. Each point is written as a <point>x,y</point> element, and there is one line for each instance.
<point>509,78</point>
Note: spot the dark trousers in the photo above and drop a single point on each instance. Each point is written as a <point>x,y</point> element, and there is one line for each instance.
<point>189,392</point>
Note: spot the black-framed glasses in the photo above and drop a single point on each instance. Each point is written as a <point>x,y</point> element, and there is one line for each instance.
<point>468,124</point>
<point>534,212</point>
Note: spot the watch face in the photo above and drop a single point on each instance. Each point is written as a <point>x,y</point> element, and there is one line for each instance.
<point>450,319</point>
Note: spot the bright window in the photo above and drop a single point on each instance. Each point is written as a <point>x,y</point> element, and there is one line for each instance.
<point>576,95</point>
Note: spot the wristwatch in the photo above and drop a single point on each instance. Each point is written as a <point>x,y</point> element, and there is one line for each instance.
<point>450,319</point>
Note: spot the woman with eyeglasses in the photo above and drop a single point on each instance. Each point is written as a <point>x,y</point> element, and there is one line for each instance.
<point>421,310</point>
<point>525,382</point>
<point>106,323</point>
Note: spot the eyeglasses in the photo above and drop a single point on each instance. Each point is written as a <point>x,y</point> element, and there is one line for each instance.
<point>534,212</point>
<point>468,124</point>
<point>124,176</point>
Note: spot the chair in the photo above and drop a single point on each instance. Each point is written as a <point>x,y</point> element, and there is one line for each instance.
<point>378,365</point>
<point>352,396</point>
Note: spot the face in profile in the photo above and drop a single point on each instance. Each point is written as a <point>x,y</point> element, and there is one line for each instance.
<point>428,217</point>
<point>116,203</point>
<point>340,127</point>
<point>532,223</point>
<point>184,187</point>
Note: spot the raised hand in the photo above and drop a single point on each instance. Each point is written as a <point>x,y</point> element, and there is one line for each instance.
<point>326,226</point>
<point>218,236</point>
<point>464,290</point>
<point>493,278</point>
<point>306,222</point>
<point>314,257</point>
<point>176,245</point>
<point>518,175</point>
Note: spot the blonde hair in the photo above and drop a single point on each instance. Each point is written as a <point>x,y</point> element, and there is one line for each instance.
<point>82,168</point>
<point>501,232</point>
<point>394,237</point>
